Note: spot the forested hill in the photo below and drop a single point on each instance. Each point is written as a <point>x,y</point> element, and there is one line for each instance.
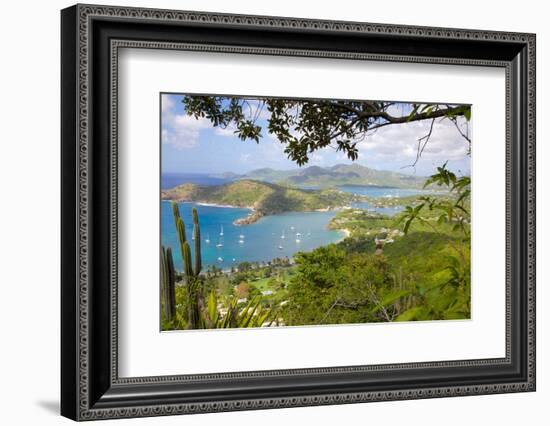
<point>264,197</point>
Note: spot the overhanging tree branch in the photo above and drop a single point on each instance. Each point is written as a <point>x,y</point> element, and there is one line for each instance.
<point>305,126</point>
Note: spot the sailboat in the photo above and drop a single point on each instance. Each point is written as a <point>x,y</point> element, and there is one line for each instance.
<point>280,247</point>
<point>207,241</point>
<point>221,231</point>
<point>298,240</point>
<point>220,244</point>
<point>220,259</point>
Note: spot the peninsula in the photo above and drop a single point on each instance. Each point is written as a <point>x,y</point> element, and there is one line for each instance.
<point>263,198</point>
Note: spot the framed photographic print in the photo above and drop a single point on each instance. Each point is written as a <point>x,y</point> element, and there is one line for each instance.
<point>263,212</point>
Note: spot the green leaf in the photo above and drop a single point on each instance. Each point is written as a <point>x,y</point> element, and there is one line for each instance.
<point>390,299</point>
<point>407,225</point>
<point>410,315</point>
<point>454,315</point>
<point>212,307</point>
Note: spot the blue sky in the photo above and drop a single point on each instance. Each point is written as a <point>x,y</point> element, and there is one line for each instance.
<point>195,146</point>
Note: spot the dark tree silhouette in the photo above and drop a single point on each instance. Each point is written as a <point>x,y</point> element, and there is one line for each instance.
<point>305,126</point>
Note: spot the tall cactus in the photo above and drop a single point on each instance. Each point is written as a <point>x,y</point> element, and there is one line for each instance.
<point>187,262</point>
<point>184,244</point>
<point>176,213</point>
<point>193,282</point>
<point>168,282</point>
<point>199,313</point>
<point>182,238</point>
<point>164,283</point>
<point>171,281</point>
<point>197,237</point>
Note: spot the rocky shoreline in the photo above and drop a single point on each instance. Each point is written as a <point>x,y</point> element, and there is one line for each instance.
<point>254,216</point>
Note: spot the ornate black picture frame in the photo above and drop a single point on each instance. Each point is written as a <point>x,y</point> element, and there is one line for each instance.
<point>91,37</point>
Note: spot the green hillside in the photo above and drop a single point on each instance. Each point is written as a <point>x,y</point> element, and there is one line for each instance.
<point>264,197</point>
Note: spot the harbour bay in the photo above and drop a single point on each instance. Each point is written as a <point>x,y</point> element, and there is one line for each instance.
<point>262,241</point>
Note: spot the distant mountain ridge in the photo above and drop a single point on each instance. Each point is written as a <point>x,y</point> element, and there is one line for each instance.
<point>338,175</point>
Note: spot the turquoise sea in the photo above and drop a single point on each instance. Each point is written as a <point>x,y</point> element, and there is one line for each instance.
<point>381,192</point>
<point>170,180</point>
<point>270,237</point>
<point>261,241</point>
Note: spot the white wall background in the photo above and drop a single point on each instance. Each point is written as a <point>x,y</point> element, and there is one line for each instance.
<point>29,213</point>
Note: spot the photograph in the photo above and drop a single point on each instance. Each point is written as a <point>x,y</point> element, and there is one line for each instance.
<point>312,212</point>
<point>346,201</point>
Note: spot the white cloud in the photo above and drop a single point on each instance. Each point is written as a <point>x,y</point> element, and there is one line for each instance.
<point>393,147</point>
<point>229,131</point>
<point>251,110</point>
<point>167,103</point>
<point>401,142</point>
<point>180,130</point>
<point>264,114</point>
<point>245,157</point>
<point>398,109</point>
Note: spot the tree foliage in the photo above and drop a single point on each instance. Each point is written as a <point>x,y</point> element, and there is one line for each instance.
<point>334,287</point>
<point>453,210</point>
<point>448,298</point>
<point>423,276</point>
<point>305,126</point>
